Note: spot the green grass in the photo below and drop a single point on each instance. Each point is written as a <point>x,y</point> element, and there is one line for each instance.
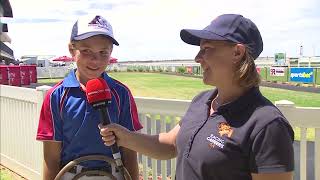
<point>302,99</point>
<point>54,80</point>
<point>310,133</point>
<point>161,85</point>
<point>7,174</point>
<point>4,175</point>
<point>178,87</point>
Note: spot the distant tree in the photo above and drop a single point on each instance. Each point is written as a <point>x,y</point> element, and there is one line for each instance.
<point>181,70</point>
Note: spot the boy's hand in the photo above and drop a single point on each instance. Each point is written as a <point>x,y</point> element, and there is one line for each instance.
<point>114,133</point>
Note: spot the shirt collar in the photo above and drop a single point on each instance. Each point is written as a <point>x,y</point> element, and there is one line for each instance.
<point>239,104</point>
<point>110,81</point>
<point>72,81</point>
<point>213,93</point>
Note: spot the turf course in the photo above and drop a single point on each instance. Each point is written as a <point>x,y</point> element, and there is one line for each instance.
<point>178,87</point>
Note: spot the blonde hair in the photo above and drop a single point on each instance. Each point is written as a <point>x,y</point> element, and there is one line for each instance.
<point>246,74</point>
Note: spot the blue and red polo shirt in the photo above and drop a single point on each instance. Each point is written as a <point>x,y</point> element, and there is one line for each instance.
<point>67,117</point>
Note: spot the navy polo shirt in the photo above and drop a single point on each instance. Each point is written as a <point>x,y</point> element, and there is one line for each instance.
<point>67,117</point>
<point>248,135</point>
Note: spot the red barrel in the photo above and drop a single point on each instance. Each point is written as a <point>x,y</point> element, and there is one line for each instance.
<point>33,73</point>
<point>14,76</point>
<point>4,75</point>
<point>25,75</point>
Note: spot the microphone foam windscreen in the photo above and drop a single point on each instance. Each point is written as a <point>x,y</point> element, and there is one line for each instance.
<point>97,91</point>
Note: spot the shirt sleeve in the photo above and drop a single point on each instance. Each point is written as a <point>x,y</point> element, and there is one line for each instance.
<point>272,149</point>
<point>129,113</point>
<point>50,124</point>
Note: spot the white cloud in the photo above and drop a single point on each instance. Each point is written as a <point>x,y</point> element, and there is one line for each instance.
<point>149,29</point>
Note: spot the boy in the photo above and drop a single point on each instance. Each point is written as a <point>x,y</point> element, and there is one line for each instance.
<point>68,125</point>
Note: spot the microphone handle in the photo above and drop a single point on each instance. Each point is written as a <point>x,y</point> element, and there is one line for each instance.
<point>105,120</point>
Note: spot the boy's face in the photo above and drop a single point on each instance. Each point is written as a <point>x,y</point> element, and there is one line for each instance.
<point>92,57</point>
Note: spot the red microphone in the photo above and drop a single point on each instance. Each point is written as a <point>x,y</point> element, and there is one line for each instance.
<point>99,96</point>
<point>98,93</point>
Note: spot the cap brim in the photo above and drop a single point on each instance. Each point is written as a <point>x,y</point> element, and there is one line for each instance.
<point>193,37</point>
<point>90,34</point>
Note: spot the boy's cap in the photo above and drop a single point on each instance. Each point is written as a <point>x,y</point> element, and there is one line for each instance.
<point>228,27</point>
<point>89,26</point>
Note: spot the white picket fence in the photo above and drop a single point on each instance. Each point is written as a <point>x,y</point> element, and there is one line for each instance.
<point>21,153</point>
<point>53,72</point>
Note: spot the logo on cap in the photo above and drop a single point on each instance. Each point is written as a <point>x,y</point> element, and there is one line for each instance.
<point>100,22</point>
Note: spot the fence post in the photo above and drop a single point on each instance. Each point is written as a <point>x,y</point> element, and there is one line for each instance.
<point>163,129</point>
<point>317,154</point>
<point>283,104</point>
<point>154,161</point>
<point>43,90</point>
<point>286,107</point>
<point>288,74</point>
<point>145,171</point>
<point>316,75</point>
<point>173,161</point>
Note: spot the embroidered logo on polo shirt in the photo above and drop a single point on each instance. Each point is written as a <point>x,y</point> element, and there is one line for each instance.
<point>224,129</point>
<point>215,141</point>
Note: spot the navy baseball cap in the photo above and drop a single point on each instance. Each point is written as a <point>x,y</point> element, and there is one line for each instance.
<point>228,27</point>
<point>88,26</point>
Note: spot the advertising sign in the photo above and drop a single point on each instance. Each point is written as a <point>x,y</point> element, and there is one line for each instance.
<point>277,71</point>
<point>280,58</point>
<point>301,75</point>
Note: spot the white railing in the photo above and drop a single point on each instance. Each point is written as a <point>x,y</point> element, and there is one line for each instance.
<point>21,153</point>
<point>304,118</point>
<point>52,72</point>
<point>159,115</point>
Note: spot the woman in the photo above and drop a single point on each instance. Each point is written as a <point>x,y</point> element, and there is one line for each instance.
<point>230,132</point>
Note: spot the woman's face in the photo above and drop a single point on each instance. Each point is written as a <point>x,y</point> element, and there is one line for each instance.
<point>216,59</point>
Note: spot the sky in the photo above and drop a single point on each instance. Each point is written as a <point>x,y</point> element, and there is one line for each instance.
<point>149,29</point>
